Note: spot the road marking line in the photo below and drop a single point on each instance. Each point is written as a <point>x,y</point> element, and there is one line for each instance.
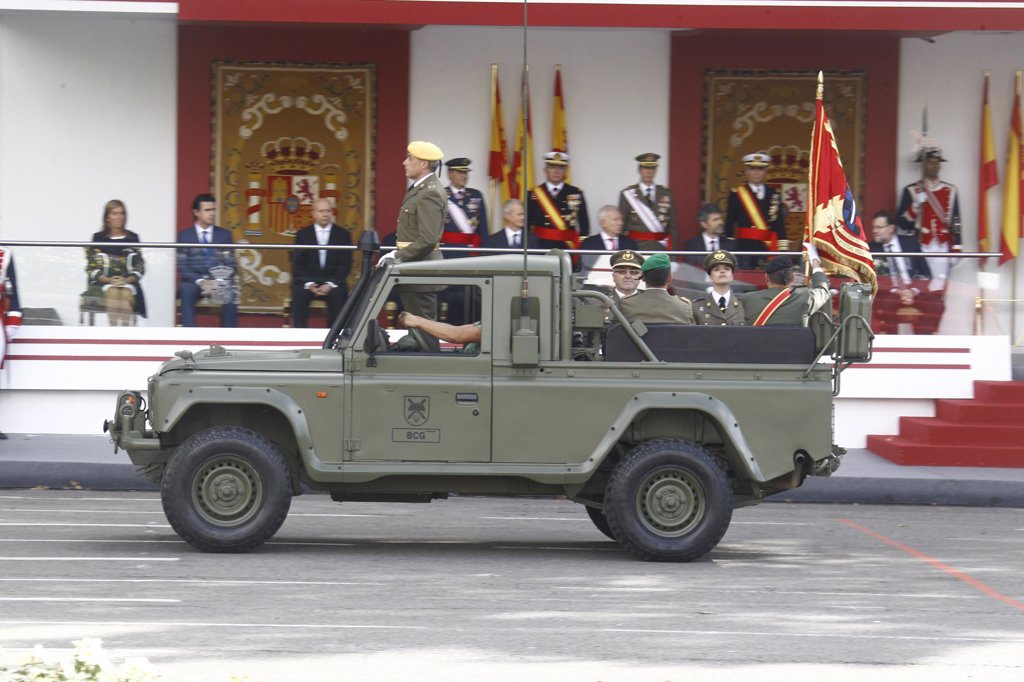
<point>86,558</point>
<point>89,525</point>
<point>86,542</point>
<point>189,581</point>
<point>92,599</point>
<point>531,518</point>
<point>82,511</point>
<point>770,523</point>
<point>155,498</point>
<point>844,635</point>
<point>935,563</point>
<point>331,626</point>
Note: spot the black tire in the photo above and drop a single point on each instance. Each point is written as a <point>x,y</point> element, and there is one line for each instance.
<point>599,519</point>
<point>668,500</point>
<point>226,489</point>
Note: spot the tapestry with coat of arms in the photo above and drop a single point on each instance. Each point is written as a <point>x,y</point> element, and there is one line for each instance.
<point>286,135</point>
<point>773,112</point>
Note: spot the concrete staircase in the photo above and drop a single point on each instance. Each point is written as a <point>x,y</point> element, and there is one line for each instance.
<point>987,431</point>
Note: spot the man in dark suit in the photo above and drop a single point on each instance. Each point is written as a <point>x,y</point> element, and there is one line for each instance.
<point>320,274</point>
<point>904,293</point>
<point>207,273</point>
<point>711,237</point>
<point>555,210</point>
<point>511,236</point>
<point>755,215</point>
<point>647,208</point>
<point>609,238</point>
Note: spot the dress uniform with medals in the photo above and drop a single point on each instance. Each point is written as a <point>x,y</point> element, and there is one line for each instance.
<point>556,211</point>
<point>654,305</point>
<point>755,215</point>
<point>716,309</point>
<point>648,208</point>
<point>466,222</point>
<point>420,223</point>
<point>930,210</point>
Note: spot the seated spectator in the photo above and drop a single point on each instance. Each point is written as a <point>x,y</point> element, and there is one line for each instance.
<point>712,235</point>
<point>782,301</point>
<point>905,302</point>
<point>655,304</point>
<point>511,236</point>
<point>719,306</point>
<point>609,238</point>
<point>114,273</point>
<point>320,274</point>
<point>207,273</point>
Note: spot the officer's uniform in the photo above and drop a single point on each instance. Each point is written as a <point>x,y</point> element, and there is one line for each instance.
<point>420,223</point>
<point>643,213</point>
<point>742,217</point>
<point>708,310</point>
<point>570,220</point>
<point>797,307</point>
<point>930,210</point>
<point>466,221</point>
<point>655,305</point>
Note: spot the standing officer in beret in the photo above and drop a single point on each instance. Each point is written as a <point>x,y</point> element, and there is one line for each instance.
<point>555,210</point>
<point>648,209</point>
<point>466,224</point>
<point>654,305</point>
<point>782,302</point>
<point>755,215</point>
<point>420,223</point>
<point>719,306</point>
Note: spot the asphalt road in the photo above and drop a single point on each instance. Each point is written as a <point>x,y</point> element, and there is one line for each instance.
<point>470,589</point>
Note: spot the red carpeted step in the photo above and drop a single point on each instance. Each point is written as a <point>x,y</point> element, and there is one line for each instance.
<point>975,412</point>
<point>912,453</point>
<point>1000,392</point>
<point>942,432</point>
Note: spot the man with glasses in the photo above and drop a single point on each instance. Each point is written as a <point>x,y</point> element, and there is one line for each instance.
<point>626,274</point>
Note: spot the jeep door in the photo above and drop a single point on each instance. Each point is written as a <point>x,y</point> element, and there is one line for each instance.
<point>423,406</point>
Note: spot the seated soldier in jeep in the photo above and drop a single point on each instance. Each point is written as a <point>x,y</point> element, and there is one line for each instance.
<point>466,334</point>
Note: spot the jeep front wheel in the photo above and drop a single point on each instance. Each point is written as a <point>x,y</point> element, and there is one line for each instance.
<point>226,489</point>
<point>668,500</point>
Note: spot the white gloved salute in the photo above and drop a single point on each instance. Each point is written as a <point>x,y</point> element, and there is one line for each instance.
<point>812,255</point>
<point>389,256</point>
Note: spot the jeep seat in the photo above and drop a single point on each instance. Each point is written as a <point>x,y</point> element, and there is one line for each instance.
<point>769,345</point>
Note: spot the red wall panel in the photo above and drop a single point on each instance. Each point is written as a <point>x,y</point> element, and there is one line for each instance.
<point>694,54</point>
<point>201,45</point>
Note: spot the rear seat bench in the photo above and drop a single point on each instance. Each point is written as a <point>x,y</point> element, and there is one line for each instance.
<point>770,345</point>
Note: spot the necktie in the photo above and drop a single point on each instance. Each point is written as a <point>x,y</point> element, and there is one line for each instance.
<point>323,236</point>
<point>613,244</point>
<point>650,194</point>
<point>891,261</point>
<point>714,244</point>
<point>204,237</point>
<point>721,303</point>
<point>515,240</point>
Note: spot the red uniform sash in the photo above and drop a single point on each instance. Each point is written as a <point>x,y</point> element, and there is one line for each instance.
<point>760,231</point>
<point>772,306</point>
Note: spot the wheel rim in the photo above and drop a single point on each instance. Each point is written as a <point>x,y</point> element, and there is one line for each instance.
<point>227,491</point>
<point>671,502</point>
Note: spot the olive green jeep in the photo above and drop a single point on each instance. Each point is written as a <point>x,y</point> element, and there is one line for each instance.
<point>659,431</point>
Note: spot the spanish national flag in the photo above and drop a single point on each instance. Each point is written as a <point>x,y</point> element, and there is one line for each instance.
<point>833,225</point>
<point>559,134</point>
<point>522,155</point>
<point>988,175</point>
<point>497,167</point>
<point>1010,246</point>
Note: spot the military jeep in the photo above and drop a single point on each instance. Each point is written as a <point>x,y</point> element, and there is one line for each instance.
<point>658,431</point>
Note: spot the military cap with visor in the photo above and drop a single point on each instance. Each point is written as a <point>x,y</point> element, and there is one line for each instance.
<point>718,257</point>
<point>556,159</point>
<point>626,259</point>
<point>648,160</point>
<point>757,160</point>
<point>460,163</point>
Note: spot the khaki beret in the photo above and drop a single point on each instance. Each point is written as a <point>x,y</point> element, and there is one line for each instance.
<point>428,151</point>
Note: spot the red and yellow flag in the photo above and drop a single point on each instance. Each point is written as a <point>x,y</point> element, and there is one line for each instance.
<point>988,175</point>
<point>559,134</point>
<point>522,155</point>
<point>497,167</point>
<point>833,225</point>
<point>1010,245</point>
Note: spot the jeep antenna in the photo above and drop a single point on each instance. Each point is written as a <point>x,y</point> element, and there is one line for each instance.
<point>527,142</point>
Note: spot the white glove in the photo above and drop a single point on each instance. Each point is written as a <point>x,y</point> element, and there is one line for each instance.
<point>389,256</point>
<point>921,197</point>
<point>812,252</point>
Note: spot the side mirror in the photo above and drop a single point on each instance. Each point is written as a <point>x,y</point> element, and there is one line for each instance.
<point>372,344</point>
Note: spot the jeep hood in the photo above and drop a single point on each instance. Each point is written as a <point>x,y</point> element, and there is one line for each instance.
<point>229,360</point>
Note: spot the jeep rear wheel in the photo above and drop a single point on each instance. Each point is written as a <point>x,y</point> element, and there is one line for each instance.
<point>226,489</point>
<point>668,500</point>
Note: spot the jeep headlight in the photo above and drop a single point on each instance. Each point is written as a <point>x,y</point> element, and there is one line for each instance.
<point>130,404</point>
